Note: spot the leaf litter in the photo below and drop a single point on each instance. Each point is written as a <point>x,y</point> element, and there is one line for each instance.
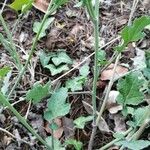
<point>67,33</point>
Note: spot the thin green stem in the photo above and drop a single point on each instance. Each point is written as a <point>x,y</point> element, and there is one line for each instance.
<point>104,102</point>
<point>96,70</point>
<point>138,133</point>
<point>115,140</point>
<point>90,10</point>
<point>107,92</point>
<point>5,102</point>
<point>16,23</point>
<point>128,137</point>
<point>14,54</point>
<point>50,11</point>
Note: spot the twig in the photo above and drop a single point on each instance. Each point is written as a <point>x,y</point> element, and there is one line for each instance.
<point>26,116</point>
<point>13,136</point>
<point>83,61</point>
<point>15,103</point>
<point>4,4</point>
<point>108,90</point>
<point>134,5</point>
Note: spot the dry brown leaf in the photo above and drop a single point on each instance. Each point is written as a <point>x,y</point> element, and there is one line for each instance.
<point>146,4</point>
<point>75,30</point>
<point>68,126</point>
<point>107,74</point>
<point>7,140</point>
<point>119,121</point>
<point>111,104</point>
<point>41,5</point>
<point>103,126</point>
<point>147,98</point>
<point>56,133</point>
<point>88,107</point>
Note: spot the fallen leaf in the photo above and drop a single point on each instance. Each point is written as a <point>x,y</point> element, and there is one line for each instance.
<point>119,121</point>
<point>112,106</point>
<point>7,140</point>
<point>75,30</point>
<point>103,126</point>
<point>23,37</point>
<point>139,61</point>
<point>88,107</point>
<point>68,126</point>
<point>146,4</point>
<point>18,137</point>
<point>56,133</point>
<point>41,5</point>
<point>107,74</point>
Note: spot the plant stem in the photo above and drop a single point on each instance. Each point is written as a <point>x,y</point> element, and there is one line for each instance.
<point>105,99</point>
<point>14,54</point>
<point>128,137</point>
<point>115,140</point>
<point>5,101</point>
<point>50,10</point>
<point>96,36</point>
<point>16,23</point>
<point>138,133</point>
<point>107,92</point>
<point>53,145</point>
<point>135,2</point>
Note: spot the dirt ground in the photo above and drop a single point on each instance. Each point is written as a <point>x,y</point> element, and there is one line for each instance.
<point>71,30</point>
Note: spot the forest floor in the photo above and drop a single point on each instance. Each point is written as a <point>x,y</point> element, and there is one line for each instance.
<point>71,32</point>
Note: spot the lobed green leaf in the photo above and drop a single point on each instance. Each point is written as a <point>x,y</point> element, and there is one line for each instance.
<point>57,105</point>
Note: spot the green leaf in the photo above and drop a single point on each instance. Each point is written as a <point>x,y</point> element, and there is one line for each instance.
<point>129,90</point>
<point>56,70</point>
<point>81,121</point>
<point>60,2</point>
<point>134,32</point>
<point>23,5</point>
<point>118,135</point>
<point>36,26</point>
<point>54,126</point>
<point>102,57</point>
<point>45,58</point>
<point>4,71</point>
<point>79,4</point>
<point>134,145</point>
<point>77,144</point>
<point>57,105</point>
<point>38,92</point>
<point>130,110</point>
<point>139,115</point>
<point>6,83</point>
<point>57,144</point>
<point>76,83</point>
<point>84,70</point>
<point>61,57</point>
